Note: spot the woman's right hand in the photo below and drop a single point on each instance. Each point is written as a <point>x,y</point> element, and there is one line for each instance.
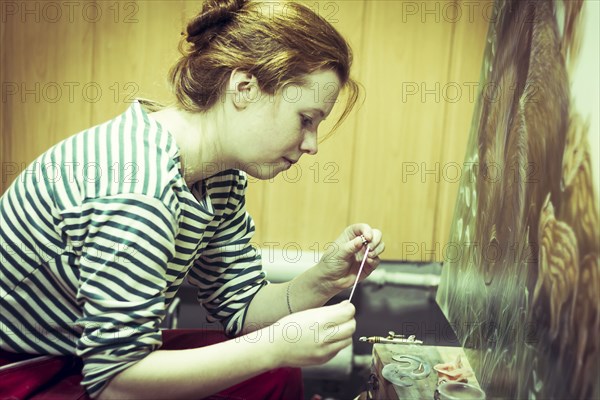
<point>312,336</point>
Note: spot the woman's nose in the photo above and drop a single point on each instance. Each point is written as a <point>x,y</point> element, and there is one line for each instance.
<point>309,144</point>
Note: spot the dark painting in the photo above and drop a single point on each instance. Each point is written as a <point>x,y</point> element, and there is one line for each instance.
<point>521,278</point>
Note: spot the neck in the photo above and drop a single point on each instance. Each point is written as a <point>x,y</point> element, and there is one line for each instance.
<point>198,137</point>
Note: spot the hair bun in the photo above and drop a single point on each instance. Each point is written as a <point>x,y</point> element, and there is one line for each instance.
<point>214,15</point>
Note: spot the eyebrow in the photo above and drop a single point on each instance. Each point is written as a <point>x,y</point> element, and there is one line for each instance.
<point>319,111</point>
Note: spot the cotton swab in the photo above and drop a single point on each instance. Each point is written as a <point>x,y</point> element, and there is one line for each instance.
<point>362,264</point>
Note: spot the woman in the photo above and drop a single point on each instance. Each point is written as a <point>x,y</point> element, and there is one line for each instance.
<point>100,231</point>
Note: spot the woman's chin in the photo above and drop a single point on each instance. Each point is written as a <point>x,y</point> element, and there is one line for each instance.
<point>266,171</point>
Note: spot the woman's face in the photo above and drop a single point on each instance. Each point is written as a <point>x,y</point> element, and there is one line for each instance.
<point>275,131</point>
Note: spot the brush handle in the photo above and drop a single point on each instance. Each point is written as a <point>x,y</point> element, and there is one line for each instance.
<point>362,264</point>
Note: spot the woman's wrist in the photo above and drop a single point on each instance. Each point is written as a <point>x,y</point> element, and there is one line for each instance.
<point>323,283</point>
<point>287,296</point>
<point>312,281</point>
<point>274,355</point>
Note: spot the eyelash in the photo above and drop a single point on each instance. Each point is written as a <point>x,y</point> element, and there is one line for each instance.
<point>305,121</point>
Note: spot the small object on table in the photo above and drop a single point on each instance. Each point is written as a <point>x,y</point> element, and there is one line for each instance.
<point>405,370</point>
<point>395,374</point>
<point>424,388</point>
<point>391,339</point>
<point>417,368</point>
<point>453,371</point>
<point>458,391</point>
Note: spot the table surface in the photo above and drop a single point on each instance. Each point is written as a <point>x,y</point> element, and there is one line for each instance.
<point>421,388</point>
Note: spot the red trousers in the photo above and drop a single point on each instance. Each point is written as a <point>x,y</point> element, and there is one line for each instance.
<point>59,377</point>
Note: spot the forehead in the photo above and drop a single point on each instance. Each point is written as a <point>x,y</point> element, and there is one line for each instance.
<point>320,90</point>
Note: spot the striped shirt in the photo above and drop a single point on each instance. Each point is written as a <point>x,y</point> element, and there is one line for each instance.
<point>97,235</point>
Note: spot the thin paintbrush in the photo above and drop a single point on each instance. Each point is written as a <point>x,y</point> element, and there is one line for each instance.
<point>362,264</point>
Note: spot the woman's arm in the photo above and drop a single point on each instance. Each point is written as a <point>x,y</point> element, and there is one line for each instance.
<point>303,338</point>
<point>305,291</point>
<point>197,373</point>
<point>192,373</point>
<point>335,272</point>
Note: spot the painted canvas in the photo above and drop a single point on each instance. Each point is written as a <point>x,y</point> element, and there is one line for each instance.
<point>521,286</point>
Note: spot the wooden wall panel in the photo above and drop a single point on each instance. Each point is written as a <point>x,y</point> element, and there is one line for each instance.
<point>460,94</point>
<point>135,47</point>
<point>399,131</point>
<point>42,97</point>
<point>4,155</point>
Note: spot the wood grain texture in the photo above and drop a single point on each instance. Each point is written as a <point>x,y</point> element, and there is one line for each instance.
<point>460,95</point>
<point>4,155</point>
<point>135,47</point>
<point>45,64</point>
<point>398,131</point>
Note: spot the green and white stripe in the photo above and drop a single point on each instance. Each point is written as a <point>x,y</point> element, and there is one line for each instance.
<point>98,234</point>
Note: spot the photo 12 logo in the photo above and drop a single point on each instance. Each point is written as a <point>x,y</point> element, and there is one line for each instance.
<point>69,11</point>
<point>53,92</point>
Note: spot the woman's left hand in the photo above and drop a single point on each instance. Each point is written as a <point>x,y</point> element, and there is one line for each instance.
<point>341,261</point>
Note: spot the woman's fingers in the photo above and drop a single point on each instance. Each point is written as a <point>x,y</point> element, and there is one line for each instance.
<point>355,244</point>
<point>338,313</point>
<point>340,332</point>
<point>376,247</point>
<point>360,229</point>
<point>342,344</point>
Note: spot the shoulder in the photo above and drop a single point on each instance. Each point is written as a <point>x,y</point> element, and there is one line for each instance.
<point>134,154</point>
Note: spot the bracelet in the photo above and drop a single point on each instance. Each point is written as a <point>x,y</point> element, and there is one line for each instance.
<point>288,297</point>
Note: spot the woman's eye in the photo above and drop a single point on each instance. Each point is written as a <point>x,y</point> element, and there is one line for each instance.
<point>306,121</point>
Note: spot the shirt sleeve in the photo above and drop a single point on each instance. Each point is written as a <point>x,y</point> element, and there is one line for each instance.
<point>229,272</point>
<point>129,239</point>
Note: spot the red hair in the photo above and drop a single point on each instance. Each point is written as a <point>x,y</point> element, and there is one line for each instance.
<point>278,48</point>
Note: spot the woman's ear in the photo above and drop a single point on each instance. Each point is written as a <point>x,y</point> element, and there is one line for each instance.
<point>243,89</point>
